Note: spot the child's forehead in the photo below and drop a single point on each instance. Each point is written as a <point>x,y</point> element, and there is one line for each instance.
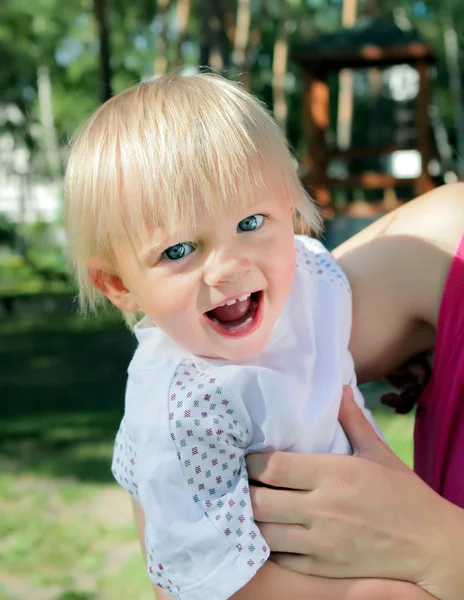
<point>191,224</point>
<point>203,218</point>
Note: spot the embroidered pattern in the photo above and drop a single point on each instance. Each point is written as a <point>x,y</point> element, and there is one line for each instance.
<point>157,570</point>
<point>211,439</point>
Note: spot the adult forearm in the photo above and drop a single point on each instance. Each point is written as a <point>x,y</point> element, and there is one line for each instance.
<point>445,575</point>
<point>276,583</point>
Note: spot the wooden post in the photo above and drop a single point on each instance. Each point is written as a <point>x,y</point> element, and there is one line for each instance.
<point>316,119</point>
<point>424,182</point>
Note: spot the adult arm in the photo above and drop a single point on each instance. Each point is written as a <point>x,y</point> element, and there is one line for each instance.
<point>397,268</point>
<point>274,582</point>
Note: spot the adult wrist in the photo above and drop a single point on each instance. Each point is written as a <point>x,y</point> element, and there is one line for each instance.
<point>445,576</point>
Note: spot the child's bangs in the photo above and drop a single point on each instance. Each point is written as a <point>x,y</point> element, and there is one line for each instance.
<point>172,170</point>
<point>151,202</point>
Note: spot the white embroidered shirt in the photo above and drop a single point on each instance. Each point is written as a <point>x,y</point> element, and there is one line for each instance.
<point>189,422</point>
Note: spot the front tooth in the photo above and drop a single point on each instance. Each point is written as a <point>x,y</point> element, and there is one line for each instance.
<point>230,302</point>
<point>242,298</point>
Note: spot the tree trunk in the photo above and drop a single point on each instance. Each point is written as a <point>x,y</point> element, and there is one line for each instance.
<point>49,137</point>
<point>205,38</point>
<point>371,9</point>
<point>255,38</point>
<point>100,8</point>
<point>279,66</point>
<point>214,42</point>
<point>346,83</point>
<point>183,15</point>
<point>444,149</point>
<point>242,36</point>
<point>454,73</point>
<point>161,60</point>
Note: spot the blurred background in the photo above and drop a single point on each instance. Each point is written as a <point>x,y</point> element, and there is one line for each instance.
<point>369,93</point>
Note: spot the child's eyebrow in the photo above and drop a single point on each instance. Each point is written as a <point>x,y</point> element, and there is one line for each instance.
<point>155,250</point>
<point>152,252</point>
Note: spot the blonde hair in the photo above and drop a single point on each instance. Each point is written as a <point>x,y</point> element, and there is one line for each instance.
<point>161,152</point>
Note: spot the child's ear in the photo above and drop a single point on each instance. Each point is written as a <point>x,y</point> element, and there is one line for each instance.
<point>292,205</point>
<point>103,277</point>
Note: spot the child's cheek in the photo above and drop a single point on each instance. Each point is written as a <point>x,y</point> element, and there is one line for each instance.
<point>174,298</point>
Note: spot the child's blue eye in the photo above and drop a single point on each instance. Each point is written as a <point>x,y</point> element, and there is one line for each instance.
<point>251,223</point>
<point>178,251</point>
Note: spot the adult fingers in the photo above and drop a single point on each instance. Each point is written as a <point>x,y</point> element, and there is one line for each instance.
<point>359,431</point>
<point>298,563</point>
<point>364,439</point>
<point>290,470</point>
<point>278,506</point>
<point>285,538</point>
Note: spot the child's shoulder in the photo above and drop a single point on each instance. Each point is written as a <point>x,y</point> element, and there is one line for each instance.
<point>199,386</point>
<point>178,387</point>
<point>310,244</point>
<point>314,260</point>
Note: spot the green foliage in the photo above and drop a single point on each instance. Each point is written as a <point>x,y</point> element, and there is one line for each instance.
<point>64,36</point>
<point>35,261</point>
<point>8,233</point>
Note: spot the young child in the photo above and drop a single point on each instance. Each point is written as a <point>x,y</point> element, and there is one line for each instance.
<point>181,196</point>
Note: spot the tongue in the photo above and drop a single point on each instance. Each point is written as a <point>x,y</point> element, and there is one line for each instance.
<point>234,312</point>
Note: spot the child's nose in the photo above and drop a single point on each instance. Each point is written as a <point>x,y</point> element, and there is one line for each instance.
<point>225,270</point>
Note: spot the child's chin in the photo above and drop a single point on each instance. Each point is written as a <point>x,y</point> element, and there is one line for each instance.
<point>246,351</point>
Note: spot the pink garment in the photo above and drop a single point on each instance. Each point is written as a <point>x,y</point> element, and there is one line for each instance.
<point>439,429</point>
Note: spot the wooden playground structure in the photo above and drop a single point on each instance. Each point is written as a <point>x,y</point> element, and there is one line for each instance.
<point>374,46</point>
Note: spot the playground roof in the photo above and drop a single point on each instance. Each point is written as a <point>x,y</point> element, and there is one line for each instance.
<point>370,43</point>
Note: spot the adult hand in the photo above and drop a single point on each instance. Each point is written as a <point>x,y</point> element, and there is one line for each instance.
<point>366,515</point>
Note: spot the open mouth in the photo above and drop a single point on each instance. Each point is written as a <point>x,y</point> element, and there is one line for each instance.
<point>238,317</point>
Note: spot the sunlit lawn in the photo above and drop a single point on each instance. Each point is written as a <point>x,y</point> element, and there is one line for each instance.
<point>65,527</point>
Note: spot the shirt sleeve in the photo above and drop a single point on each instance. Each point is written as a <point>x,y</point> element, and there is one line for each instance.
<point>124,464</point>
<point>201,538</point>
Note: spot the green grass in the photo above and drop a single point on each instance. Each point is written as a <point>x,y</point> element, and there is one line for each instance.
<point>66,530</point>
<point>58,541</point>
<point>397,429</point>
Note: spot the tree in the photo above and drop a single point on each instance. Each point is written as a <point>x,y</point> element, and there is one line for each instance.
<point>242,36</point>
<point>279,65</point>
<point>100,8</point>
<point>183,16</point>
<point>215,35</point>
<point>161,56</point>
